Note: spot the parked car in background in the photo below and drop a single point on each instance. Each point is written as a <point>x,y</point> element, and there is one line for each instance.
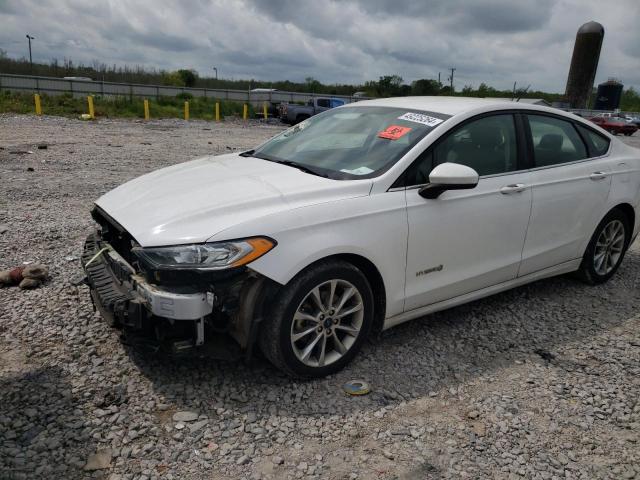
<point>359,219</point>
<point>634,120</point>
<point>615,125</point>
<point>292,113</point>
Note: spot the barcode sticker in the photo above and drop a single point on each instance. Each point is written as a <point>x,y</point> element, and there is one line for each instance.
<point>427,120</point>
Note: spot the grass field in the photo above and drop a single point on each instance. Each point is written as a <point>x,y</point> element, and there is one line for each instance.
<point>123,107</point>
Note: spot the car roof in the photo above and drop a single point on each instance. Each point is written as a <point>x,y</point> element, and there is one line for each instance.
<point>451,105</point>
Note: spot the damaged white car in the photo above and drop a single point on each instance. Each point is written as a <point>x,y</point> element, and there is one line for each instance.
<point>359,219</point>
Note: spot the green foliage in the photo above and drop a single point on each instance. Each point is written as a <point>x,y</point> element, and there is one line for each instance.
<point>389,85</point>
<point>425,86</point>
<point>189,77</point>
<point>313,85</point>
<point>117,107</point>
<point>173,79</point>
<point>630,100</point>
<point>386,86</point>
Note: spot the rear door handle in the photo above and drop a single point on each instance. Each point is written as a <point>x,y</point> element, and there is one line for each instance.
<point>598,175</point>
<point>513,188</point>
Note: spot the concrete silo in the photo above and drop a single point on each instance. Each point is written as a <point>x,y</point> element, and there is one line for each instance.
<point>584,63</point>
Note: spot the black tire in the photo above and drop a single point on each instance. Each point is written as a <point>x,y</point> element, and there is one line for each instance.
<point>301,118</point>
<point>587,271</point>
<point>275,337</point>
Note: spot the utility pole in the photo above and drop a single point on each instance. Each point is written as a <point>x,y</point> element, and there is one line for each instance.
<point>439,82</point>
<point>215,70</point>
<point>29,37</point>
<point>451,79</point>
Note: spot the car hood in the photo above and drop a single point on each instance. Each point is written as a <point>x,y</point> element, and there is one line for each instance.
<point>192,201</point>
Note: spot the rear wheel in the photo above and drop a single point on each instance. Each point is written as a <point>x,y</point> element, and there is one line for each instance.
<point>606,248</point>
<point>319,320</point>
<point>301,118</point>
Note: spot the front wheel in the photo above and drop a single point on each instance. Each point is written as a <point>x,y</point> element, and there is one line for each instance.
<point>606,248</point>
<point>319,320</point>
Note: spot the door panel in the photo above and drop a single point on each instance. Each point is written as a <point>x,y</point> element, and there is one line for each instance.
<point>466,240</point>
<point>567,205</point>
<point>569,194</point>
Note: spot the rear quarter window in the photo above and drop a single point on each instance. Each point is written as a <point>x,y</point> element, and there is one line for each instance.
<point>598,144</point>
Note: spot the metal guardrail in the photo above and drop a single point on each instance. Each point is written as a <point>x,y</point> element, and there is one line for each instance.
<point>81,88</point>
<point>57,86</point>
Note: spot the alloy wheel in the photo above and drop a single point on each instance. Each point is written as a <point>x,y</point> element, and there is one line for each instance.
<point>327,323</point>
<point>609,247</point>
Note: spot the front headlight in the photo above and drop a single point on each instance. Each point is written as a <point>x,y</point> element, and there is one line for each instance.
<point>206,256</point>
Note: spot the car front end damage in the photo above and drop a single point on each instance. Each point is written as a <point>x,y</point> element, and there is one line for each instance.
<point>175,310</point>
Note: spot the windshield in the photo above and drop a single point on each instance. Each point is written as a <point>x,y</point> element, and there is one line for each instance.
<point>351,142</point>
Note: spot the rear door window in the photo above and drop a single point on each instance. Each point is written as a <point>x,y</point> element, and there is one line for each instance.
<point>555,141</point>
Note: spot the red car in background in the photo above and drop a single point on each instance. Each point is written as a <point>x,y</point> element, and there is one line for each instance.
<point>615,125</point>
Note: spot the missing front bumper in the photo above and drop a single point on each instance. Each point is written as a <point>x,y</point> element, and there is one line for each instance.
<point>180,316</point>
<point>123,296</point>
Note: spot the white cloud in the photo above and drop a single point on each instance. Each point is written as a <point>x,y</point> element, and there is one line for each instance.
<point>492,41</point>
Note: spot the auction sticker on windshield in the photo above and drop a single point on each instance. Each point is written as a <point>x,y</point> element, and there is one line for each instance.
<point>421,118</point>
<point>394,132</point>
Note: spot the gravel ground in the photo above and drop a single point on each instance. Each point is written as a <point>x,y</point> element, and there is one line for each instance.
<point>539,382</point>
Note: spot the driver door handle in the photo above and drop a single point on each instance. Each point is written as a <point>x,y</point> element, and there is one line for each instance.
<point>513,188</point>
<point>598,175</point>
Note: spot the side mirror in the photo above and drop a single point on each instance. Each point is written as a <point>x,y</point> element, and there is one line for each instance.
<point>449,176</point>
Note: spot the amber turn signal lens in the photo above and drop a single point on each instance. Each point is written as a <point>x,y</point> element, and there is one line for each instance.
<point>260,247</point>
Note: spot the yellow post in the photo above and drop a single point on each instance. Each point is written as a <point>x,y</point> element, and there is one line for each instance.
<point>91,111</point>
<point>245,111</point>
<point>217,112</point>
<point>146,109</point>
<point>186,110</point>
<point>264,109</point>
<point>36,97</point>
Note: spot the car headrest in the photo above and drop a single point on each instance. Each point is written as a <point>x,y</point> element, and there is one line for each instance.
<point>551,141</point>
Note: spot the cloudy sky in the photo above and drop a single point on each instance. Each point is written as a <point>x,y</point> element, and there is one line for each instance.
<point>349,41</point>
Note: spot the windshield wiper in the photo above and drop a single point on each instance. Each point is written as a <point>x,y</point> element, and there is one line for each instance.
<point>248,153</point>
<point>291,163</point>
<point>302,168</point>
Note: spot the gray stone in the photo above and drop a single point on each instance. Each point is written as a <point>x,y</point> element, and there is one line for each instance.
<point>185,416</point>
<point>195,426</point>
<point>99,460</point>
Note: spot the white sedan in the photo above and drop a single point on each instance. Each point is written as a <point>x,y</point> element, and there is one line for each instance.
<point>359,219</point>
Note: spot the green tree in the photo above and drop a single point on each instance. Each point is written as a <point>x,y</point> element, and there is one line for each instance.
<point>485,90</point>
<point>630,100</point>
<point>173,79</point>
<point>468,91</point>
<point>313,85</point>
<point>445,90</point>
<point>388,86</point>
<point>425,86</point>
<point>189,77</point>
